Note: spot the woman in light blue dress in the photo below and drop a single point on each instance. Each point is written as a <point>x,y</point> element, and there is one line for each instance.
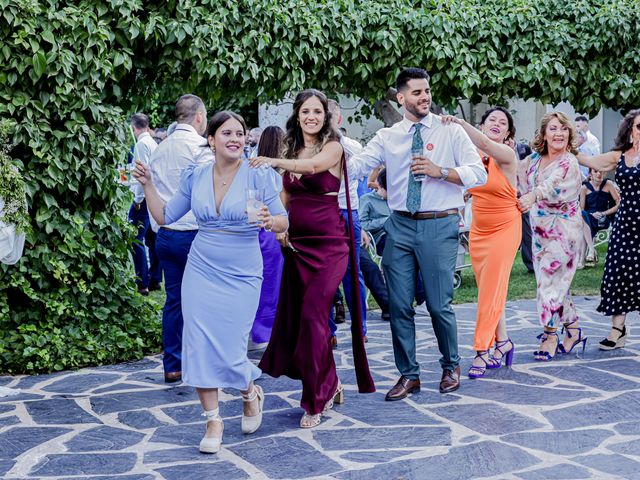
<point>222,280</point>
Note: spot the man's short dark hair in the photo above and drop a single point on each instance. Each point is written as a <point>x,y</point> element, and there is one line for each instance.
<point>582,118</point>
<point>140,121</point>
<point>410,74</point>
<point>187,106</point>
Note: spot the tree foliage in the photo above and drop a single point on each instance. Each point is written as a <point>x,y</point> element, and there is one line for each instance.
<point>72,70</point>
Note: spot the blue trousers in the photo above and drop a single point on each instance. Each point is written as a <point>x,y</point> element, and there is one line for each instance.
<point>430,246</point>
<point>140,218</point>
<point>346,280</point>
<point>172,247</point>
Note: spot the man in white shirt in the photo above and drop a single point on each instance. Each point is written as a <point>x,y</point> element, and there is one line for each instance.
<point>422,231</point>
<point>183,147</point>
<point>351,147</point>
<point>591,146</point>
<point>138,214</point>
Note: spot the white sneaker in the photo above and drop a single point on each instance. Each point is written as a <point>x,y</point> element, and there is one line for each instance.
<point>422,310</point>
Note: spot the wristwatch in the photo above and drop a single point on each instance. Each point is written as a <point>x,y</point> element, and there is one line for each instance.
<point>444,173</point>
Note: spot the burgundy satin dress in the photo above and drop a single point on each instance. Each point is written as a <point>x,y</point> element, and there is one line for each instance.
<point>300,345</point>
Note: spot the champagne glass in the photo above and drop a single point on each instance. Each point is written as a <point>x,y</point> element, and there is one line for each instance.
<point>255,202</point>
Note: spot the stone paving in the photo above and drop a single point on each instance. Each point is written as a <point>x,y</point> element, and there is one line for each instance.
<point>573,418</point>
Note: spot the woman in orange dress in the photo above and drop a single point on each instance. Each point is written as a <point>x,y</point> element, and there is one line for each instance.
<point>496,231</point>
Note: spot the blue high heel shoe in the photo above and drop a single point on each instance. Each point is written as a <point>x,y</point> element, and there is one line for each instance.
<point>541,355</point>
<point>508,357</point>
<point>479,371</point>
<point>579,340</point>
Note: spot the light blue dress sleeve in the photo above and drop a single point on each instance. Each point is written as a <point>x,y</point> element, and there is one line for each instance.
<point>270,182</point>
<point>180,203</point>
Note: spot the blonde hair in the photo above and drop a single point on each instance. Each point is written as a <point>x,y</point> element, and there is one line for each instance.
<point>539,144</point>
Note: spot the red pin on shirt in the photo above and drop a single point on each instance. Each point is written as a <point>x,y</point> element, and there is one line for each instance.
<point>429,146</point>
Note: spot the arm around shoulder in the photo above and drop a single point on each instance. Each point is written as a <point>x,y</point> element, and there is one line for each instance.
<point>604,162</point>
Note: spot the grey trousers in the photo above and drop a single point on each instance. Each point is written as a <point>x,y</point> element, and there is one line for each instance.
<point>431,245</point>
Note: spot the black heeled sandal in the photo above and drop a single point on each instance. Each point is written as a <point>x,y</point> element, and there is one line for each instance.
<point>607,344</point>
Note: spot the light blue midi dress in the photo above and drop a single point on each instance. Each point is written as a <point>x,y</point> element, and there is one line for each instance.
<point>223,276</point>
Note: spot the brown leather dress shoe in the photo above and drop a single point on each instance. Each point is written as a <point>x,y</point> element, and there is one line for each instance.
<point>172,377</point>
<point>450,381</point>
<point>334,342</point>
<point>404,387</point>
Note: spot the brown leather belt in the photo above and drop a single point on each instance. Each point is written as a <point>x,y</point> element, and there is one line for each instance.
<point>427,215</point>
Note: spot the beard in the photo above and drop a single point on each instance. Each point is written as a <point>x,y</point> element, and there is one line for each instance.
<point>415,110</point>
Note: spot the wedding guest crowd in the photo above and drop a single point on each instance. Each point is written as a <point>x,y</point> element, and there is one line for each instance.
<point>257,230</point>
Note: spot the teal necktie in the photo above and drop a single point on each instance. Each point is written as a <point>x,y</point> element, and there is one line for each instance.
<point>414,188</point>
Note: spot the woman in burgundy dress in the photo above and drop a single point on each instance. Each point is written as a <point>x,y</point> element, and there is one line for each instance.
<point>315,259</point>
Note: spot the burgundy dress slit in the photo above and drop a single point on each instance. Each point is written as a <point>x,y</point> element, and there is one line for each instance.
<point>300,345</point>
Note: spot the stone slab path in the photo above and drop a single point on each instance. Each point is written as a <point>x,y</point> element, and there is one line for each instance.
<point>576,417</point>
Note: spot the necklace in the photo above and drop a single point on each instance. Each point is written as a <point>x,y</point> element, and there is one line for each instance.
<point>224,182</point>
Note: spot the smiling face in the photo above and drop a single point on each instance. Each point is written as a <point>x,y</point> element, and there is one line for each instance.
<point>228,140</point>
<point>311,116</point>
<point>415,97</point>
<point>496,126</point>
<point>557,136</point>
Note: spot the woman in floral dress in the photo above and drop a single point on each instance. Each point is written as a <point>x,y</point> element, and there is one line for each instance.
<point>549,182</point>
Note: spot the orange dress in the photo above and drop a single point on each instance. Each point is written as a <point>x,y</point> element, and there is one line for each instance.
<point>496,231</point>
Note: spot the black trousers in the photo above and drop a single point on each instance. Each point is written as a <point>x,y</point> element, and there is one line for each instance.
<point>525,244</point>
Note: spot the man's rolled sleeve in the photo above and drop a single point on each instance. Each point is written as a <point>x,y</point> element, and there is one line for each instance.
<point>469,164</point>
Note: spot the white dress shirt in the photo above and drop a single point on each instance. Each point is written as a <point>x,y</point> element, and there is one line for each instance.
<point>446,146</point>
<point>142,151</point>
<point>593,144</point>
<point>183,147</point>
<point>351,147</point>
<point>11,243</point>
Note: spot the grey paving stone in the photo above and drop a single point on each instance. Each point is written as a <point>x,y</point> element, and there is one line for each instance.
<point>136,366</point>
<point>111,477</point>
<point>58,411</point>
<point>8,421</point>
<point>79,383</point>
<point>487,418</point>
<point>557,472</point>
<point>345,423</point>
<point>524,394</point>
<point>193,412</point>
<point>429,395</point>
<point>200,471</point>
<point>17,440</point>
<point>374,438</point>
<point>273,456</point>
<point>626,366</point>
<point>376,457</point>
<point>518,377</point>
<point>617,409</point>
<point>103,439</point>
<point>140,420</point>
<point>33,380</point>
<point>470,439</point>
<point>563,443</point>
<point>21,397</point>
<point>611,464</point>
<point>121,402</point>
<point>482,459</point>
<point>273,423</point>
<point>119,387</point>
<point>281,384</point>
<point>151,377</point>
<point>85,464</point>
<point>591,377</point>
<point>626,448</point>
<point>173,455</point>
<point>7,408</point>
<point>628,428</point>
<point>5,380</point>
<point>5,465</point>
<point>373,410</point>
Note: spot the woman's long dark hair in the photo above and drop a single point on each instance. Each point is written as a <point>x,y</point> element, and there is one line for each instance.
<point>293,140</point>
<point>511,125</point>
<point>270,144</point>
<point>623,139</point>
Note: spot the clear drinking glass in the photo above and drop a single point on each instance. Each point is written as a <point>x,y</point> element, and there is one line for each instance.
<point>255,199</point>
<point>418,177</point>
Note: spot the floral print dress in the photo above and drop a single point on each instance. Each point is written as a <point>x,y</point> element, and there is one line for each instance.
<point>556,224</point>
